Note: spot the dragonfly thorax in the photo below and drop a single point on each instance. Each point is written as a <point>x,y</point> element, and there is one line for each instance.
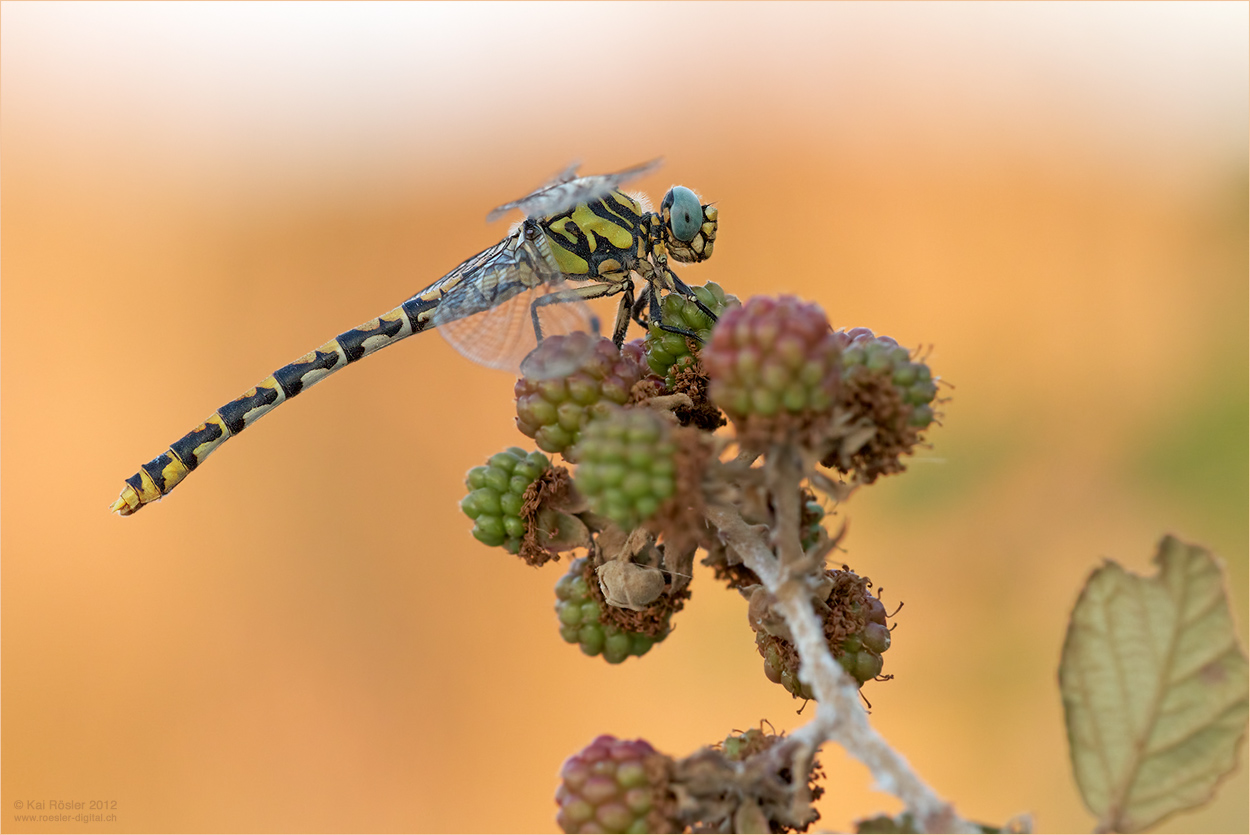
<point>598,239</point>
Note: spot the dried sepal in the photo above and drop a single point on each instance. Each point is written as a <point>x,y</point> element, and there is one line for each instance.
<point>627,585</point>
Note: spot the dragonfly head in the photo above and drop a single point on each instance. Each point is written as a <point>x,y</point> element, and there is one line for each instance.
<point>689,226</point>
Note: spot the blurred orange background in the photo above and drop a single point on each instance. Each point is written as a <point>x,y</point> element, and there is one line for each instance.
<point>304,637</point>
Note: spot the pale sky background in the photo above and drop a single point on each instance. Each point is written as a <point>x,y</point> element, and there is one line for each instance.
<point>283,88</point>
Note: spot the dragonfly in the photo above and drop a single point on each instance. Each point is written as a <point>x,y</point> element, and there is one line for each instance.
<point>581,238</point>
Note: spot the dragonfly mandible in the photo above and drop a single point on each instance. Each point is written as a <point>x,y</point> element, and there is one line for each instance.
<point>582,238</point>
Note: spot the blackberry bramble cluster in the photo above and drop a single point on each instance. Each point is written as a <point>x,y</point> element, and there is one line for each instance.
<point>774,365</point>
<point>553,409</point>
<point>654,481</point>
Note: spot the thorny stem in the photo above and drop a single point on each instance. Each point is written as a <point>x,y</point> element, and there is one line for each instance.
<point>783,471</point>
<point>839,715</point>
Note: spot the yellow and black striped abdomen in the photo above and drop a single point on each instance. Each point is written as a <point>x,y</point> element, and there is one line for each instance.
<point>160,475</point>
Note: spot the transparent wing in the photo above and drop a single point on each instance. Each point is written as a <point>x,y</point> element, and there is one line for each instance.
<point>566,191</point>
<point>489,316</point>
<point>500,253</point>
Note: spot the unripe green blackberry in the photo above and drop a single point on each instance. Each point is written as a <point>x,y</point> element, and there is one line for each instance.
<point>580,612</point>
<point>615,785</point>
<point>553,410</point>
<point>774,367</point>
<point>668,352</point>
<point>496,495</point>
<point>627,467</point>
<point>881,356</point>
<point>882,388</point>
<point>855,630</point>
<point>739,746</point>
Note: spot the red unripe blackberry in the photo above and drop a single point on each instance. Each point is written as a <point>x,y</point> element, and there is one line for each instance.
<point>614,785</point>
<point>774,366</point>
<point>553,410</point>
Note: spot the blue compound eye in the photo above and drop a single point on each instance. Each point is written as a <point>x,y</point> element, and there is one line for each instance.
<point>685,213</point>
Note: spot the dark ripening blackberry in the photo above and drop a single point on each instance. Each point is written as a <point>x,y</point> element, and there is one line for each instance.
<point>774,366</point>
<point>668,353</point>
<point>615,785</point>
<point>496,496</point>
<point>855,630</point>
<point>627,465</point>
<point>553,410</point>
<point>581,613</point>
<point>882,388</point>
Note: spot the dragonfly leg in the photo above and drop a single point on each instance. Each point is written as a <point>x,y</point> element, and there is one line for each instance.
<point>685,290</point>
<point>574,294</point>
<point>689,334</point>
<point>659,276</point>
<point>656,315</point>
<point>624,312</point>
<point>641,304</point>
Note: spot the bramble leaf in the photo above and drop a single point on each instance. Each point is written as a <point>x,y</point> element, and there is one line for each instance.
<point>1154,688</point>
